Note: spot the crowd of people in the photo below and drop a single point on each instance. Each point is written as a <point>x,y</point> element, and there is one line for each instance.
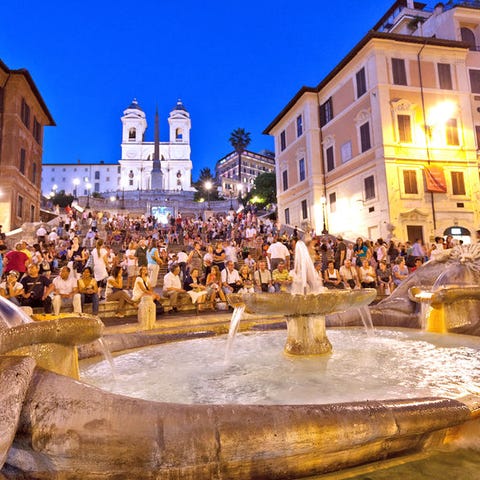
<point>98,255</point>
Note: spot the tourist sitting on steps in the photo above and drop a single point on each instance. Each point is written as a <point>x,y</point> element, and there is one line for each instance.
<point>114,291</point>
<point>88,288</point>
<point>172,287</point>
<point>36,289</point>
<point>331,277</point>
<point>66,292</point>
<point>143,293</point>
<point>11,288</point>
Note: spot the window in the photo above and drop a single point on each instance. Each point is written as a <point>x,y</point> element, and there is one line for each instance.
<point>475,80</point>
<point>283,141</point>
<point>468,37</point>
<point>20,206</point>
<point>96,187</point>
<point>97,175</point>
<point>299,126</point>
<point>25,113</point>
<point>410,181</point>
<point>458,183</point>
<point>326,112</point>
<point>34,172</point>
<point>132,134</point>
<point>304,210</point>
<point>178,134</point>
<point>365,137</point>
<point>107,179</point>
<point>369,184</point>
<point>361,82</point>
<point>287,216</point>
<point>399,72</point>
<point>37,131</point>
<point>23,155</point>
<point>404,128</point>
<point>444,76</point>
<point>451,131</point>
<point>330,159</point>
<point>346,151</point>
<point>332,199</point>
<point>301,169</point>
<point>285,180</point>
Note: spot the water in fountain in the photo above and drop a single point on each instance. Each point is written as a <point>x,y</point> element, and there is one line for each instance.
<point>232,331</point>
<point>11,315</point>
<point>107,355</point>
<point>305,278</point>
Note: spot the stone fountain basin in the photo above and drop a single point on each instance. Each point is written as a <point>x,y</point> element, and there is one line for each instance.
<point>324,303</point>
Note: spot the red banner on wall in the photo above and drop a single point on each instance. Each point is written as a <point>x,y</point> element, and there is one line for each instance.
<point>435,179</point>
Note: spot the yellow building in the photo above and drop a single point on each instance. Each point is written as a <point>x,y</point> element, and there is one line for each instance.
<point>23,115</point>
<point>387,144</point>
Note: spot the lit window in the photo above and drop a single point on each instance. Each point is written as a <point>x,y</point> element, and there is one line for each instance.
<point>458,183</point>
<point>404,128</point>
<point>410,181</point>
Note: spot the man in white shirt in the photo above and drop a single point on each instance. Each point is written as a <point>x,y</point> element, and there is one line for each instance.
<point>172,286</point>
<point>277,252</point>
<point>231,281</point>
<point>349,275</point>
<point>66,292</point>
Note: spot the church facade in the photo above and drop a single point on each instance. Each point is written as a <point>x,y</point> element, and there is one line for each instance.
<point>156,165</point>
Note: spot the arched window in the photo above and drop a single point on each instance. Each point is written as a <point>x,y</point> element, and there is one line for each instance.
<point>178,134</point>
<point>468,37</point>
<point>132,133</point>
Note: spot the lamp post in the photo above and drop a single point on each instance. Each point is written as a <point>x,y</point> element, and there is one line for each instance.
<point>323,201</point>
<point>208,187</point>
<point>76,183</point>
<point>231,197</point>
<point>88,186</point>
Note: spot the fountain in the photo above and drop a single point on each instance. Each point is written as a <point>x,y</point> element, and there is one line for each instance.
<point>57,427</point>
<point>306,306</point>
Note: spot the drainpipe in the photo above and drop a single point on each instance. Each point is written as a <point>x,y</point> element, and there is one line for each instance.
<point>426,128</point>
<point>324,209</point>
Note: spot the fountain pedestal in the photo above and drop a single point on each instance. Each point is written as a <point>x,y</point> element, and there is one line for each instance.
<point>306,335</point>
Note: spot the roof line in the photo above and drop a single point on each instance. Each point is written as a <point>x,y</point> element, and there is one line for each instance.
<point>371,35</point>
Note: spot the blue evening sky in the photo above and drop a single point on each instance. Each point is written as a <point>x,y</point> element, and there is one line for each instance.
<point>233,64</point>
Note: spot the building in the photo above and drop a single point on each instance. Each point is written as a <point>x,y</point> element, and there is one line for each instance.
<point>253,164</point>
<point>23,116</point>
<point>144,166</point>
<point>386,145</point>
<point>173,169</point>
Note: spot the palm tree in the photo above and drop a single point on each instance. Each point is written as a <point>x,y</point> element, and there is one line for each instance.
<point>240,140</point>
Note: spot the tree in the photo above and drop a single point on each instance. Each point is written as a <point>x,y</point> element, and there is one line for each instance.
<point>200,185</point>
<point>240,140</point>
<point>62,199</point>
<point>264,190</point>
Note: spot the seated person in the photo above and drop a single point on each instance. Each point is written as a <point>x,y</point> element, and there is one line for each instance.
<point>141,287</point>
<point>65,292</point>
<point>231,282</point>
<point>281,278</point>
<point>88,288</point>
<point>36,289</point>
<point>331,277</point>
<point>262,278</point>
<point>367,275</point>
<point>11,288</point>
<point>114,291</point>
<point>246,278</point>
<point>213,283</point>
<point>349,274</point>
<point>193,287</point>
<point>384,278</point>
<point>172,287</point>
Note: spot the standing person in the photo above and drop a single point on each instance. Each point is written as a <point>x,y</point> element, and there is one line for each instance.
<point>153,263</point>
<point>65,291</point>
<point>131,264</point>
<point>277,252</point>
<point>361,251</point>
<point>219,256</point>
<point>340,252</point>
<point>100,261</point>
<point>114,291</point>
<point>36,289</point>
<point>195,258</point>
<point>88,289</point>
<point>141,253</point>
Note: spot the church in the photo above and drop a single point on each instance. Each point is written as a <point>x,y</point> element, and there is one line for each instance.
<point>156,165</point>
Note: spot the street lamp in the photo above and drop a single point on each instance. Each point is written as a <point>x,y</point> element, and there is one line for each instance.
<point>323,201</point>
<point>88,186</point>
<point>208,187</point>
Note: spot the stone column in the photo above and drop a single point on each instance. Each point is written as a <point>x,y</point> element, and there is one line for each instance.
<point>306,335</point>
